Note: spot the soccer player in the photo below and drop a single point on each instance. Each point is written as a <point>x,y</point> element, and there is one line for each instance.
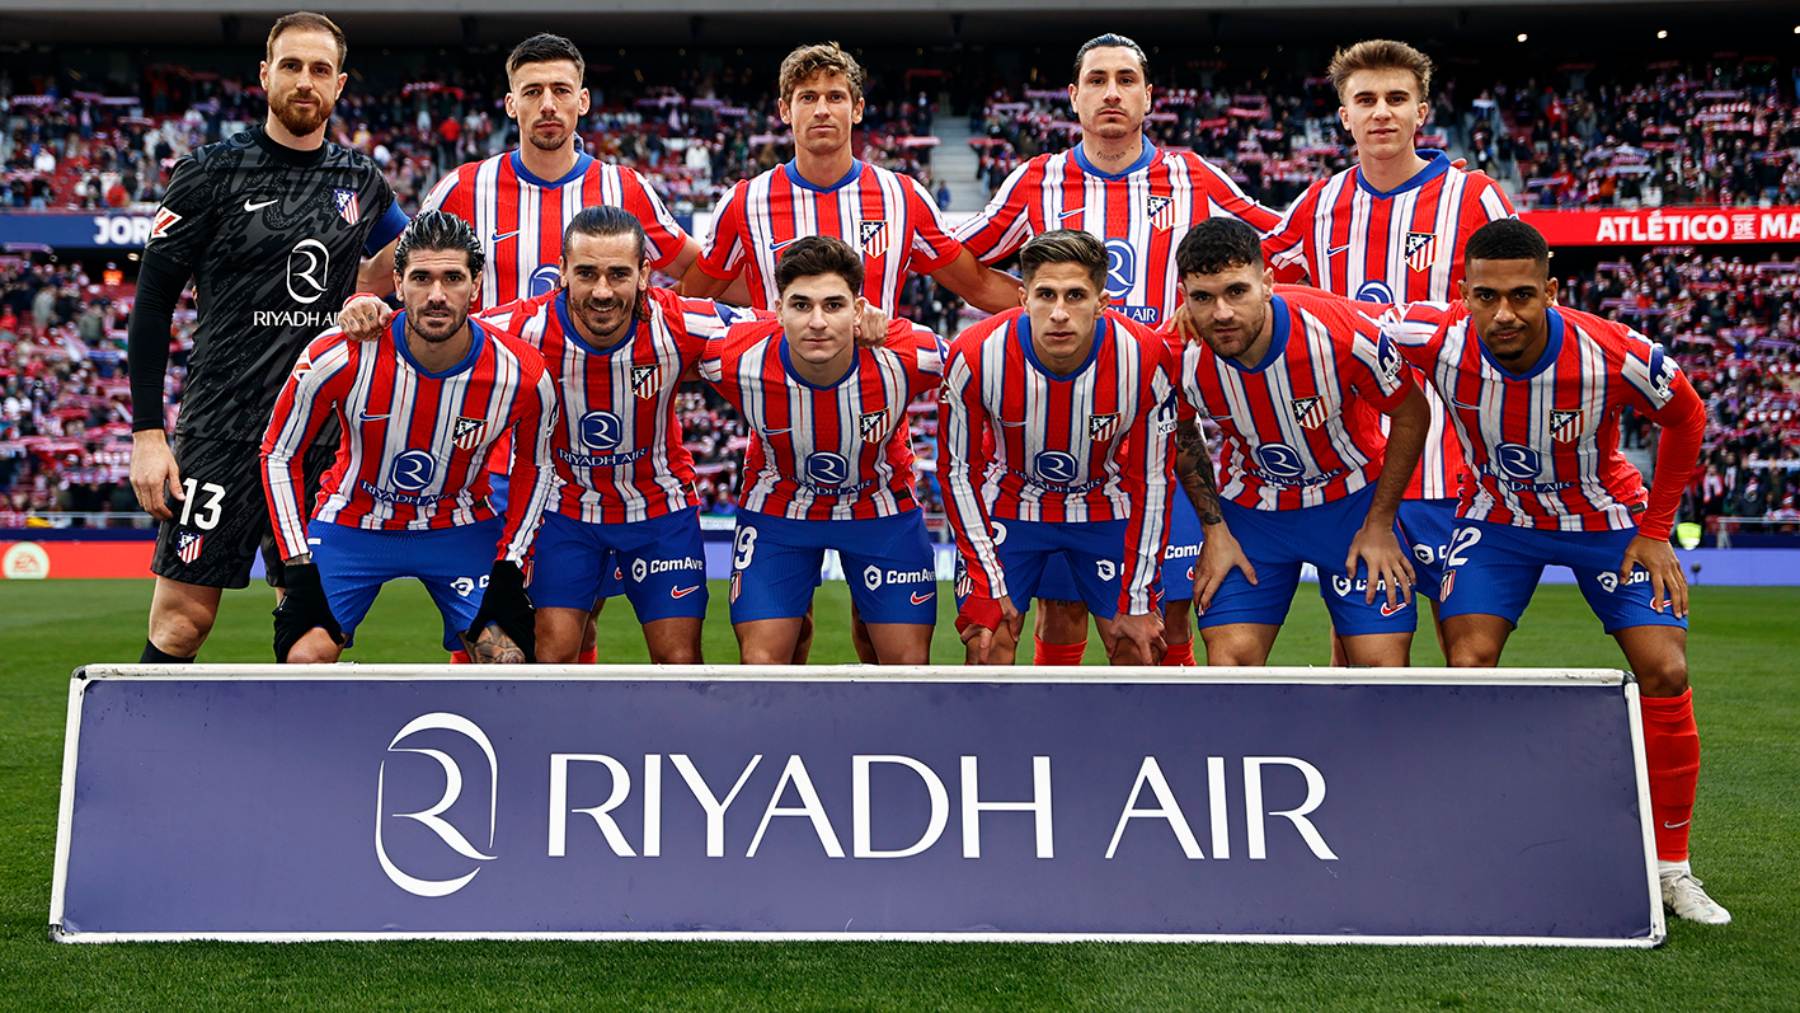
<point>271,224</point>
<point>1308,478</point>
<point>1140,200</point>
<point>889,219</point>
<point>1535,392</point>
<point>618,348</point>
<point>830,463</point>
<point>1391,229</point>
<point>521,201</point>
<point>408,495</point>
<point>1051,450</point>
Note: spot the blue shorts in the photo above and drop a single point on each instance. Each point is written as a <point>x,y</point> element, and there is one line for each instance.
<point>776,564</point>
<point>452,563</point>
<point>612,581</point>
<point>1085,554</point>
<point>1425,525</point>
<point>1494,568</point>
<point>663,560</point>
<point>1179,558</point>
<point>1278,543</point>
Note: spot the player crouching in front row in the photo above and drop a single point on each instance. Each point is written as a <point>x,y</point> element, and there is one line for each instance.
<point>408,495</point>
<point>830,462</point>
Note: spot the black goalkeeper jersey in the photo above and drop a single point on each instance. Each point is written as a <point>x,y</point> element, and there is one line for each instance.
<point>274,237</point>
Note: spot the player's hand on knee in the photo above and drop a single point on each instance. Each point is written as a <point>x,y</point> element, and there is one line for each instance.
<point>154,474</point>
<point>1220,554</point>
<point>303,608</point>
<point>365,317</point>
<point>1388,567</point>
<point>1668,584</point>
<point>505,605</point>
<point>977,619</point>
<point>1144,634</point>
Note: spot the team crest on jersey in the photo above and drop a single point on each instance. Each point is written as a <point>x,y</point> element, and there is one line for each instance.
<point>646,381</point>
<point>872,426</point>
<point>1161,211</point>
<point>348,208</point>
<point>1565,426</point>
<point>1310,412</point>
<point>737,585</point>
<point>1420,246</point>
<point>1103,427</point>
<point>187,546</point>
<point>468,432</point>
<point>872,236</point>
<point>161,224</point>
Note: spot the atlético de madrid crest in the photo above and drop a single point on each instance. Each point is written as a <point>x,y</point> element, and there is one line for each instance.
<point>468,432</point>
<point>1565,426</point>
<point>1162,212</point>
<point>348,207</point>
<point>872,426</point>
<point>872,236</point>
<point>1103,427</point>
<point>646,381</point>
<point>1420,246</point>
<point>1310,412</point>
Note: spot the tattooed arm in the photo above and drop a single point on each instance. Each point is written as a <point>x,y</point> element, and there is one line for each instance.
<point>1194,470</point>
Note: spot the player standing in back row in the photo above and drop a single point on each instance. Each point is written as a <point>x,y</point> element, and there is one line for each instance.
<point>1535,392</point>
<point>1140,201</point>
<point>1391,229</point>
<point>272,225</point>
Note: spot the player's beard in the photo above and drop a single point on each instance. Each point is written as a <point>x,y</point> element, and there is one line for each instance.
<point>438,332</point>
<point>300,120</point>
<point>543,143</point>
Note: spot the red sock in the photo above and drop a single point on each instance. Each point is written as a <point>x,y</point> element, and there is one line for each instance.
<point>1672,753</point>
<point>461,658</point>
<point>591,656</point>
<point>1179,654</point>
<point>1043,653</point>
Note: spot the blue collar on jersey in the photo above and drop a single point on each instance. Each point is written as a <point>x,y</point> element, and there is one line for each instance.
<point>792,168</point>
<point>787,363</point>
<point>1436,164</point>
<point>1144,159</point>
<point>561,302</point>
<point>397,330</point>
<point>1278,339</point>
<point>581,166</point>
<point>1022,328</point>
<point>1552,349</point>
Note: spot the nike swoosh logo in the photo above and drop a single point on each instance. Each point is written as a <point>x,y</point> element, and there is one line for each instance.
<point>499,236</point>
<point>777,432</point>
<point>682,592</point>
<point>1465,407</point>
<point>1066,215</point>
<point>1389,610</point>
<point>1677,826</point>
<point>248,206</point>
<point>920,599</point>
<point>366,417</point>
<point>1011,425</point>
<point>784,243</point>
<point>1335,250</point>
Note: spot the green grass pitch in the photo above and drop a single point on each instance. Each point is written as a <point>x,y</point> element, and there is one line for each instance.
<point>1743,656</point>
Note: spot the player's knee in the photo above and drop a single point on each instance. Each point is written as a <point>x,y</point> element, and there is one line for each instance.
<point>180,632</point>
<point>677,654</point>
<point>313,651</point>
<point>1234,652</point>
<point>1471,653</point>
<point>1665,676</point>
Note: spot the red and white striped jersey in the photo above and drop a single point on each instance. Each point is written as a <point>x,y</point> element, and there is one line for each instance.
<point>1544,444</point>
<point>1023,443</point>
<point>619,452</point>
<point>520,218</point>
<point>1140,213</point>
<point>1394,246</point>
<point>885,216</point>
<point>841,452</point>
<point>1294,433</point>
<point>414,443</point>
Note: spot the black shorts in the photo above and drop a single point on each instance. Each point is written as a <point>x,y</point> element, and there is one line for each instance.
<point>216,532</point>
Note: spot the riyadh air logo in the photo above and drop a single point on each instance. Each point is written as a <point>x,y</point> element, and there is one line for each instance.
<point>1518,461</point>
<point>413,470</point>
<point>1279,460</point>
<point>600,430</point>
<point>1121,267</point>
<point>1375,291</point>
<point>1055,466</point>
<point>432,817</point>
<point>543,281</point>
<point>309,264</point>
<point>826,468</point>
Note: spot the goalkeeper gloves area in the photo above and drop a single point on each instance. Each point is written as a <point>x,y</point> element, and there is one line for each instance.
<point>302,610</point>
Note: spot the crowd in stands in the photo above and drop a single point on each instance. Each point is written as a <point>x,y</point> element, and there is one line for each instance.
<point>693,137</point>
<point>1735,327</point>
